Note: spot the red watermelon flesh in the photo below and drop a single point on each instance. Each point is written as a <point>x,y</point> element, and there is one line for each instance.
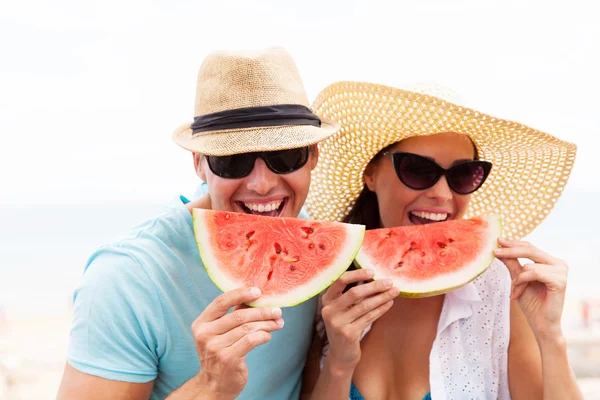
<point>426,260</point>
<point>289,259</point>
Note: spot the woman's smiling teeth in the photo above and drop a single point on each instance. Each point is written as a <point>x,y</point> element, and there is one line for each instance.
<point>434,217</point>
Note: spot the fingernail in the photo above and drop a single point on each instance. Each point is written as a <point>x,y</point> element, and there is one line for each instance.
<point>276,312</point>
<point>497,251</point>
<point>254,292</point>
<point>279,322</point>
<point>394,291</point>
<point>387,283</point>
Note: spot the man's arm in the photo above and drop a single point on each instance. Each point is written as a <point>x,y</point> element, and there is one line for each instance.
<point>76,385</point>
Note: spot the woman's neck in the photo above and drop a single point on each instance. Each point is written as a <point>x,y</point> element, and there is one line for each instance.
<point>423,311</point>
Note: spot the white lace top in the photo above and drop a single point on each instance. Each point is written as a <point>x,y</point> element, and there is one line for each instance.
<point>469,357</point>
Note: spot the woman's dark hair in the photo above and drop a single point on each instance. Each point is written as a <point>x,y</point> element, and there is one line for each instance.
<point>366,210</point>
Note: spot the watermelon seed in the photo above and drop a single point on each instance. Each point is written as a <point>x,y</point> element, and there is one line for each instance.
<point>322,246</point>
<point>388,235</point>
<point>311,246</point>
<point>442,245</point>
<point>442,253</point>
<point>270,275</point>
<point>450,240</point>
<point>400,264</point>
<point>422,254</point>
<point>292,268</point>
<point>306,230</point>
<point>226,216</point>
<point>249,235</point>
<point>277,248</point>
<point>292,260</point>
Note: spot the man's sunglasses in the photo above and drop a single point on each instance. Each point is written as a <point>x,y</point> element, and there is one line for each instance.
<point>240,165</point>
<point>420,173</point>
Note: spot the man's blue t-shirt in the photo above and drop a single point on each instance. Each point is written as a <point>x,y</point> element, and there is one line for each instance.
<point>138,299</point>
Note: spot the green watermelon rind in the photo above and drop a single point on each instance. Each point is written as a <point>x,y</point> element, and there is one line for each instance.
<point>319,283</point>
<point>477,267</point>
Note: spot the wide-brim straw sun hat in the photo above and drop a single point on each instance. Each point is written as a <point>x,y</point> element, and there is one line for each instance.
<point>250,101</point>
<point>530,167</point>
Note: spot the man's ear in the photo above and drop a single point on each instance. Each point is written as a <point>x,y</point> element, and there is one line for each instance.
<point>370,175</point>
<point>314,156</point>
<point>199,166</point>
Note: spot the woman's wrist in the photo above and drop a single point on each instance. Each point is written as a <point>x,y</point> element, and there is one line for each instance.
<point>552,341</point>
<point>337,369</point>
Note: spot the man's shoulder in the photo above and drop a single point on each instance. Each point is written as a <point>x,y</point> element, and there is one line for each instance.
<point>172,220</point>
<point>163,238</point>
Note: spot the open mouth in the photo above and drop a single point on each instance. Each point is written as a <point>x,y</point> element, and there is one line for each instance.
<point>272,209</point>
<point>423,218</point>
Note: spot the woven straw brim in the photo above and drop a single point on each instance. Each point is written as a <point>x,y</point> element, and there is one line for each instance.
<point>248,140</point>
<point>530,168</point>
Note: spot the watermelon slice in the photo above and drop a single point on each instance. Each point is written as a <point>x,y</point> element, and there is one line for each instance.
<point>290,260</point>
<point>432,259</point>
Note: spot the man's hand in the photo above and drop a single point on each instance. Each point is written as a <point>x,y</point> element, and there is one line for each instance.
<point>223,340</point>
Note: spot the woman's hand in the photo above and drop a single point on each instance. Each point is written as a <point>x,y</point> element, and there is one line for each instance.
<point>347,315</point>
<point>539,286</point>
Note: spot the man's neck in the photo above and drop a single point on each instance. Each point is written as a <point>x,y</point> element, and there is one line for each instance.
<point>202,202</point>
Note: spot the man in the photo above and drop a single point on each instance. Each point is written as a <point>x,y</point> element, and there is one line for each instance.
<point>148,321</point>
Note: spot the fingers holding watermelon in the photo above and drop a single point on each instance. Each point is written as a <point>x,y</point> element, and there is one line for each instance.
<point>254,324</point>
<point>224,302</point>
<point>538,286</point>
<point>347,314</point>
<point>241,317</point>
<point>337,288</point>
<point>224,339</point>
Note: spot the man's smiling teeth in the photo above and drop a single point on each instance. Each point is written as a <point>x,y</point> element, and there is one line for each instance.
<point>263,207</point>
<point>430,216</point>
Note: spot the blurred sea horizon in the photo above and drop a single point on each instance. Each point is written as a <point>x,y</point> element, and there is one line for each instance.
<point>44,248</point>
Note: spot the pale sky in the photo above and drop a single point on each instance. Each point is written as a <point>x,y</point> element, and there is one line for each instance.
<point>91,91</point>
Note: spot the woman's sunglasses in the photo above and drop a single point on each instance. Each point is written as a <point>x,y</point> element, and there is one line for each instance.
<point>420,173</point>
<point>240,165</point>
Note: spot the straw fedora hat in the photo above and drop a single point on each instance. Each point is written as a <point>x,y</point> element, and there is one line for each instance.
<point>251,101</point>
<point>531,168</point>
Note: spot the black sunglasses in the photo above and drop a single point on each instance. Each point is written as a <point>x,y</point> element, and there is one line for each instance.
<point>420,173</point>
<point>240,165</point>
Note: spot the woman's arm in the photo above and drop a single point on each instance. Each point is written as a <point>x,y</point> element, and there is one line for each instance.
<point>346,315</point>
<point>524,361</point>
<point>330,383</point>
<point>539,288</point>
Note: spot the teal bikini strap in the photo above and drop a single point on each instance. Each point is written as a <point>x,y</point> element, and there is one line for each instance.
<point>355,394</point>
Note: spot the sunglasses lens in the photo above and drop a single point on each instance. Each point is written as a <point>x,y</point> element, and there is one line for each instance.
<point>415,171</point>
<point>467,177</point>
<point>232,167</point>
<point>286,161</point>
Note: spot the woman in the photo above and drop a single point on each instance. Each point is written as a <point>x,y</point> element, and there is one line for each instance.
<point>409,158</point>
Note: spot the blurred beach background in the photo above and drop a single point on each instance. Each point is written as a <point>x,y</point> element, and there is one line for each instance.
<point>91,91</point>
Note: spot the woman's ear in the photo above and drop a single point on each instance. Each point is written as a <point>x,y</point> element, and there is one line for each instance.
<point>370,175</point>
<point>199,166</point>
